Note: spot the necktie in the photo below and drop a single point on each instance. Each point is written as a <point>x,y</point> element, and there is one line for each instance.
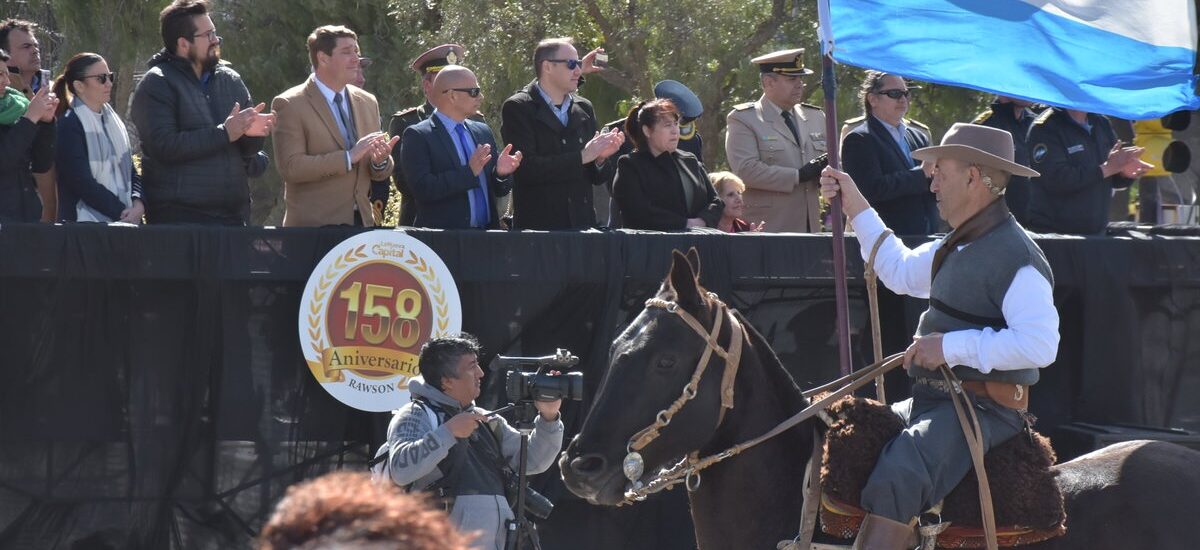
<point>347,124</point>
<point>480,213</point>
<point>791,124</point>
<point>903,143</point>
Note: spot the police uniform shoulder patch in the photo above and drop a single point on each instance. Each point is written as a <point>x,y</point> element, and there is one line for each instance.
<point>983,117</point>
<point>1039,152</point>
<point>744,106</point>
<point>1043,116</point>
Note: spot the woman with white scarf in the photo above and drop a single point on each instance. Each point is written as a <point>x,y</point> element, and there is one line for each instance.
<point>97,181</point>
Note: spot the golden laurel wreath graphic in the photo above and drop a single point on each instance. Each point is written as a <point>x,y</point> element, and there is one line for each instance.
<point>317,305</point>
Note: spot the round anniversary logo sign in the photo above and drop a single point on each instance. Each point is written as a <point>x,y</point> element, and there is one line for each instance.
<point>369,306</point>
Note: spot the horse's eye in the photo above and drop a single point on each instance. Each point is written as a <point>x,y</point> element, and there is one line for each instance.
<point>666,363</point>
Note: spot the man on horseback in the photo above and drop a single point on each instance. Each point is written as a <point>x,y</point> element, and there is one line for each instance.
<point>991,317</point>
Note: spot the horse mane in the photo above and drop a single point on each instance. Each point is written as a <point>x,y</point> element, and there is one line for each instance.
<point>770,361</point>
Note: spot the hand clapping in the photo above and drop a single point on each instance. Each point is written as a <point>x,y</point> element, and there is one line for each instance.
<point>603,145</point>
<point>250,121</point>
<point>508,162</point>
<point>376,145</point>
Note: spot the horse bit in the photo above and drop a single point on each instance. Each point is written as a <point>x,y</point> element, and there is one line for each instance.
<point>687,469</point>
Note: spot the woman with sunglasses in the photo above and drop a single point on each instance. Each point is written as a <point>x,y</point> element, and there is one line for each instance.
<point>97,181</point>
<point>657,186</point>
<point>878,155</point>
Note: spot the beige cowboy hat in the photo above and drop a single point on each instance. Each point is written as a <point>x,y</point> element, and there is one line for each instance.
<point>982,145</point>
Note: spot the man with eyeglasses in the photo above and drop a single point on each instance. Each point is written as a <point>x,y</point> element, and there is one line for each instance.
<point>195,163</point>
<point>328,143</point>
<point>878,155</point>
<point>26,75</point>
<point>451,163</point>
<point>776,145</point>
<point>556,130</point>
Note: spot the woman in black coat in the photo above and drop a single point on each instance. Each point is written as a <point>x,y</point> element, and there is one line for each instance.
<point>658,186</point>
<point>26,147</point>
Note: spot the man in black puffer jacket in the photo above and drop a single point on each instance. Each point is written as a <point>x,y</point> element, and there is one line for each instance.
<point>201,139</point>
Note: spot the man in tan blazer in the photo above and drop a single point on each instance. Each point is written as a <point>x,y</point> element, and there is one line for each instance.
<point>777,146</point>
<point>327,140</point>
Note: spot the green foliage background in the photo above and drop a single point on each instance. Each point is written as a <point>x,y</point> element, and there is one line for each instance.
<point>706,44</point>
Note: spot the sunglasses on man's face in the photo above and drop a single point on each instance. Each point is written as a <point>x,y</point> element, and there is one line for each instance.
<point>895,94</point>
<point>473,92</point>
<point>572,64</point>
<point>104,78</point>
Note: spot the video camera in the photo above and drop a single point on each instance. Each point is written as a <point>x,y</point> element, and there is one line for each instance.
<point>523,386</point>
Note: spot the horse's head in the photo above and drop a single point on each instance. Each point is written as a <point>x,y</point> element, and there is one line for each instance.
<point>650,365</point>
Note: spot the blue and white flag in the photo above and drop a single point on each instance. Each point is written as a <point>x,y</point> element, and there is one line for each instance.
<point>1131,59</point>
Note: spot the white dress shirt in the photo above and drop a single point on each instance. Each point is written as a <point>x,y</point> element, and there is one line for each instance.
<point>1031,339</point>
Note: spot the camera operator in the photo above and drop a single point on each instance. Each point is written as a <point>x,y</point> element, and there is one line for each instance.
<point>442,443</point>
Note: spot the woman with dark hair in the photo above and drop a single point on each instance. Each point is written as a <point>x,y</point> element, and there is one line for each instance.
<point>97,181</point>
<point>26,147</point>
<point>658,186</point>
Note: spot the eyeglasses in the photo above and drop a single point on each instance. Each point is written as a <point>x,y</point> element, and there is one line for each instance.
<point>104,78</point>
<point>211,35</point>
<point>473,92</point>
<point>572,64</point>
<point>895,94</point>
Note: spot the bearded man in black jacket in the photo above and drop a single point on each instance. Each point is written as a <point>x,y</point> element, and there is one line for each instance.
<point>201,138</point>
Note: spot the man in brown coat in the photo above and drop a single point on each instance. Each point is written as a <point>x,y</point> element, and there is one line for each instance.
<point>777,146</point>
<point>327,139</point>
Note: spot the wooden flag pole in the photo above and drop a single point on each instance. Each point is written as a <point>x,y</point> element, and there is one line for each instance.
<point>829,86</point>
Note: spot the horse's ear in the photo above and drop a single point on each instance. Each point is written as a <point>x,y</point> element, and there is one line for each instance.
<point>693,257</point>
<point>682,279</point>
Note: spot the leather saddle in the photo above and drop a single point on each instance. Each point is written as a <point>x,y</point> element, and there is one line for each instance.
<point>1027,500</point>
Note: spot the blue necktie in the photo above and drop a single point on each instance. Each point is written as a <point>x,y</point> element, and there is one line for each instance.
<point>904,147</point>
<point>347,125</point>
<point>480,213</point>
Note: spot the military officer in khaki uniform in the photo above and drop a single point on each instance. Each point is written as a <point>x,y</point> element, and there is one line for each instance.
<point>777,146</point>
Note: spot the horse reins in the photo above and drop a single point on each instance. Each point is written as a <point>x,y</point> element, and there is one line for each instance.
<point>688,469</point>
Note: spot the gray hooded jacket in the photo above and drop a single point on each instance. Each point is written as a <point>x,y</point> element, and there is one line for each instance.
<point>415,447</point>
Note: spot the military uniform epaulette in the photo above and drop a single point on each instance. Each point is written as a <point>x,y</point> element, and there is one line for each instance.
<point>744,106</point>
<point>810,106</point>
<point>1043,116</point>
<point>406,112</point>
<point>911,122</point>
<point>983,117</point>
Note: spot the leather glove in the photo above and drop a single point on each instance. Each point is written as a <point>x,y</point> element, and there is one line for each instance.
<point>812,169</point>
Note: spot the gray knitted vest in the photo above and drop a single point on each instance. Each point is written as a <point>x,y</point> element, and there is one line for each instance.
<point>969,291</point>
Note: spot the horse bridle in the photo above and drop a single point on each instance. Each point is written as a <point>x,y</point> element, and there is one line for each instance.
<point>687,470</point>
<point>633,465</point>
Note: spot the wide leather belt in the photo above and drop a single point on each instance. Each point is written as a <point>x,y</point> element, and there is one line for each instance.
<point>1007,394</point>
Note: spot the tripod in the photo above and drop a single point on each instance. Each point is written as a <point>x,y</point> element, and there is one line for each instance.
<point>522,533</point>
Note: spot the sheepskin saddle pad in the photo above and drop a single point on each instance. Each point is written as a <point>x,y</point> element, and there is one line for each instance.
<point>1027,502</point>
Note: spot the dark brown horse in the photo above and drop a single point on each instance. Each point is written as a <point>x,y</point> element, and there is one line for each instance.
<point>1129,495</point>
